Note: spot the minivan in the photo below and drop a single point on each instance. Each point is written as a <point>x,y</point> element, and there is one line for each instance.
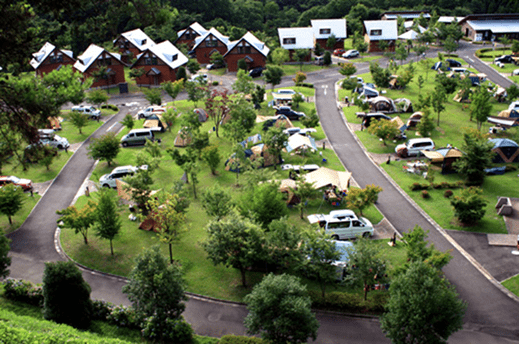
<point>414,147</point>
<point>90,111</point>
<point>109,180</point>
<point>137,137</point>
<point>343,224</point>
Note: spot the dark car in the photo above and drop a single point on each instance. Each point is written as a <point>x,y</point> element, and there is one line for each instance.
<point>291,114</point>
<point>441,65</point>
<point>374,116</point>
<point>256,72</point>
<point>504,59</point>
<point>453,63</point>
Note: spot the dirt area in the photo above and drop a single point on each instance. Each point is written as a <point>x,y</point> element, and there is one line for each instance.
<point>40,188</point>
<point>512,221</point>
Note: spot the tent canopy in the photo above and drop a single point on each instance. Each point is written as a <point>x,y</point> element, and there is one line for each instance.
<point>298,141</point>
<point>325,177</point>
<point>411,34</point>
<point>499,143</point>
<point>440,154</point>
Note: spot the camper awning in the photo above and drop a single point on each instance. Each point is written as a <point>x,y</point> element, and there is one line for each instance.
<point>298,141</point>
<point>442,153</point>
<point>504,122</point>
<point>325,177</point>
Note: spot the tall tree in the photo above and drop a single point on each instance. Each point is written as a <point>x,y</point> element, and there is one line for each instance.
<point>280,310</point>
<point>423,307</point>
<point>105,147</point>
<point>275,140</point>
<point>211,156</point>
<point>78,119</point>
<point>280,55</point>
<point>480,106</point>
<point>11,200</point>
<point>242,119</point>
<point>438,100</point>
<point>108,222</point>
<point>153,95</point>
<point>300,55</point>
<point>217,106</point>
<point>196,91</point>
<point>360,199</point>
<point>217,202</point>
<point>478,156</point>
<point>173,88</point>
<point>304,191</point>
<point>128,122</point>
<point>273,75</point>
<point>264,203</point>
<point>80,220</point>
<point>243,83</point>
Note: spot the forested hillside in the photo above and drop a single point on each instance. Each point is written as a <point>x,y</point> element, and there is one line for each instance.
<point>74,24</point>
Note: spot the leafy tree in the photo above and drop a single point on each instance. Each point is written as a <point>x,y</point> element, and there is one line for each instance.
<point>331,41</point>
<point>318,50</point>
<point>365,266</point>
<point>505,40</point>
<point>258,96</point>
<point>304,191</point>
<point>300,55</point>
<point>275,140</point>
<point>348,69</point>
<point>169,222</point>
<point>480,106</point>
<point>105,148</point>
<point>66,296</point>
<point>383,46</point>
<point>361,46</point>
<point>450,45</point>
<point>273,75</point>
<point>170,117</point>
<point>217,106</point>
<point>217,202</point>
<point>217,59</point>
<point>242,119</point>
<point>280,310</point>
<point>379,74</point>
<point>181,73</point>
<point>423,307</point>
<point>235,242</point>
<point>80,220</point>
<point>327,59</point>
<point>108,223</point>
<point>47,155</point>
<point>384,129</point>
<point>212,158</point>
<point>139,187</point>
<point>311,120</point>
<point>128,122</point>
<point>184,161</point>
<point>350,84</point>
<point>5,260</point>
<point>97,97</point>
<point>478,156</point>
<point>401,53</point>
<point>136,73</point>
<point>243,82</point>
<point>284,246</point>
<point>173,88</point>
<point>153,95</point>
<point>426,124</point>
<point>360,199</point>
<point>11,200</point>
<point>78,120</point>
<point>193,66</point>
<point>239,161</point>
<point>420,83</point>
<point>299,78</point>
<point>242,64</point>
<point>515,46</point>
<point>195,91</point>
<point>265,204</point>
<point>280,55</point>
<point>156,290</point>
<point>449,85</point>
<point>470,205</point>
<point>438,100</point>
<point>513,92</point>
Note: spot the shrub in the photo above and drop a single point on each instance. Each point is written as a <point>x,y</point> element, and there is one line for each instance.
<point>305,84</point>
<point>349,303</point>
<point>437,185</point>
<point>509,168</point>
<point>110,106</point>
<point>170,330</point>
<point>216,83</point>
<point>447,194</point>
<point>470,205</point>
<point>231,339</point>
<point>101,309</point>
<point>124,317</point>
<point>23,291</point>
<point>419,186</point>
<point>425,194</point>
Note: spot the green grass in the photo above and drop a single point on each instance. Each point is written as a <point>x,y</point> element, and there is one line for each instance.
<point>19,218</point>
<point>292,69</point>
<point>37,172</point>
<point>493,53</point>
<point>512,284</point>
<point>71,133</point>
<point>218,72</point>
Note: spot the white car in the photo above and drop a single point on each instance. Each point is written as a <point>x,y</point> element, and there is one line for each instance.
<point>109,180</point>
<point>414,147</point>
<point>90,111</point>
<point>200,78</point>
<point>49,138</point>
<point>351,53</point>
<point>149,111</point>
<point>343,224</point>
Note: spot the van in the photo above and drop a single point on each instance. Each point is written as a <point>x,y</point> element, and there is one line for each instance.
<point>109,180</point>
<point>90,111</point>
<point>137,137</point>
<point>414,147</point>
<point>343,224</point>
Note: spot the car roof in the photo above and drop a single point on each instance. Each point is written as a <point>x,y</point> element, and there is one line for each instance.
<point>420,139</point>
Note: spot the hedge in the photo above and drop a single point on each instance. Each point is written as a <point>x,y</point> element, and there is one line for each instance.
<point>350,303</point>
<point>230,339</point>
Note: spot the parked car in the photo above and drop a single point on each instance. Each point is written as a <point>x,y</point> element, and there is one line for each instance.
<point>49,138</point>
<point>212,66</point>
<point>291,114</point>
<point>515,72</point>
<point>25,184</point>
<point>351,53</point>
<point>150,110</point>
<point>374,116</point>
<point>137,137</point>
<point>200,78</point>
<point>109,180</point>
<point>319,60</point>
<point>440,65</point>
<point>339,52</point>
<point>345,248</point>
<point>297,130</point>
<point>343,224</point>
<point>414,147</point>
<point>504,59</point>
<point>256,72</point>
<point>88,110</point>
<point>453,63</point>
<point>299,168</point>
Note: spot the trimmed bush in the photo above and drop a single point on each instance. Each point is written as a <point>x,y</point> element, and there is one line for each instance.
<point>172,331</point>
<point>349,303</point>
<point>23,291</point>
<point>216,83</point>
<point>110,106</point>
<point>305,84</point>
<point>231,339</point>
<point>420,186</point>
<point>101,310</point>
<point>447,194</point>
<point>425,194</point>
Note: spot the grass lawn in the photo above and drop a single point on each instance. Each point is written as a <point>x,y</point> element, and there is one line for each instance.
<point>292,69</point>
<point>490,55</point>
<point>453,120</point>
<point>71,133</point>
<point>36,172</point>
<point>219,71</point>
<point>20,217</point>
<point>512,284</point>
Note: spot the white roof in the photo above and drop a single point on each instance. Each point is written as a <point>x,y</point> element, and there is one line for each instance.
<point>44,52</point>
<point>166,52</point>
<point>337,27</point>
<point>253,41</point>
<point>411,34</point>
<point>388,27</point>
<point>215,33</point>
<point>199,29</point>
<point>406,15</point>
<point>496,26</point>
<point>409,24</point>
<point>448,20</point>
<point>137,37</point>
<point>304,37</point>
<point>89,56</point>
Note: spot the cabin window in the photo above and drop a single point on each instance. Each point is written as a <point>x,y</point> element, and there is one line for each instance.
<point>326,31</point>
<point>289,40</point>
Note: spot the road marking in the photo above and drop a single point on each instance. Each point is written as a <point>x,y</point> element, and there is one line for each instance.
<point>111,127</point>
<point>471,60</point>
<point>325,88</point>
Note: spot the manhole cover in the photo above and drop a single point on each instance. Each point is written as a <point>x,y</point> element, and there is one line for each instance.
<point>214,317</point>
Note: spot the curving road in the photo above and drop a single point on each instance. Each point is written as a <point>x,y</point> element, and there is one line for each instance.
<point>491,315</point>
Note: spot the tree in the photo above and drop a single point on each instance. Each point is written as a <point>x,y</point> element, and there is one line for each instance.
<point>217,106</point>
<point>105,148</point>
<point>365,267</point>
<point>360,199</point>
<point>423,307</point>
<point>420,81</point>
<point>480,106</point>
<point>173,88</point>
<point>169,223</point>
<point>128,122</point>
<point>401,53</point>
<point>513,92</point>
<point>470,205</point>
<point>426,124</point>
<point>264,203</point>
<point>327,60</point>
<point>275,140</point>
<point>384,129</point>
<point>108,223</point>
<point>300,55</point>
<point>5,260</point>
<point>331,41</point>
<point>280,310</point>
<point>239,162</point>
<point>66,296</point>
<point>97,97</point>
<point>139,187</point>
<point>80,220</point>
<point>153,95</point>
<point>243,82</point>
<point>195,91</point>
<point>212,158</point>
<point>280,55</point>
<point>258,96</point>
<point>235,242</point>
<point>181,73</point>
<point>273,75</point>
<point>136,73</point>
<point>505,40</point>
<point>304,191</point>
<point>438,100</point>
<point>380,75</point>
<point>11,200</point>
<point>299,78</point>
<point>318,50</point>
<point>478,156</point>
<point>515,46</point>
<point>450,45</point>
<point>284,246</point>
<point>242,119</point>
<point>47,155</point>
<point>217,202</point>
<point>348,69</point>
<point>78,119</point>
<point>449,85</point>
<point>193,66</point>
<point>156,290</point>
<point>311,120</point>
<point>217,59</point>
<point>242,64</point>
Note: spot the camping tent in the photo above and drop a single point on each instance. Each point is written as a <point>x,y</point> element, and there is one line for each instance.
<point>202,115</point>
<point>183,139</point>
<point>404,105</point>
<point>460,97</point>
<point>508,114</point>
<point>409,35</point>
<point>325,177</point>
<point>287,186</point>
<point>382,104</point>
<point>444,157</point>
<point>401,126</point>
<point>255,152</point>
<point>506,150</point>
<point>414,119</point>
<point>254,139</point>
<point>154,122</point>
<point>298,141</point>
